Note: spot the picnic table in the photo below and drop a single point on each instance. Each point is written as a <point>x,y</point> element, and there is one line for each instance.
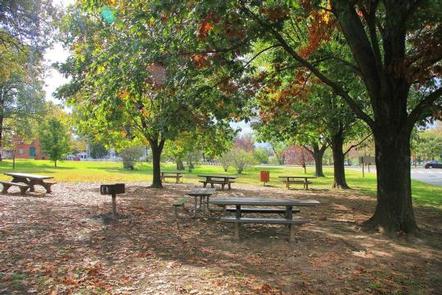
<point>203,194</point>
<point>238,219</point>
<point>27,180</point>
<point>178,175</point>
<point>218,179</point>
<point>304,180</point>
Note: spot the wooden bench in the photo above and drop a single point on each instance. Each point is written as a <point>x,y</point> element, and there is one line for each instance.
<point>304,183</point>
<point>6,185</point>
<point>221,182</point>
<point>262,210</point>
<point>177,177</point>
<point>289,222</point>
<point>176,205</point>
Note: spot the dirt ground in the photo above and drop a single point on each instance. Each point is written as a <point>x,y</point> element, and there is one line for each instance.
<point>65,243</point>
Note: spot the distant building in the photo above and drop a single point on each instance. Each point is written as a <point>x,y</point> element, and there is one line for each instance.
<point>29,150</point>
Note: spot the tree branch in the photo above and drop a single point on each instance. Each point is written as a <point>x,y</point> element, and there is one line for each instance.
<point>358,144</point>
<point>422,107</point>
<point>335,87</point>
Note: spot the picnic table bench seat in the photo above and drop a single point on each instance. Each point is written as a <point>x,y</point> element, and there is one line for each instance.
<point>284,221</point>
<point>175,175</point>
<point>233,219</point>
<point>261,210</point>
<point>6,185</point>
<point>223,183</point>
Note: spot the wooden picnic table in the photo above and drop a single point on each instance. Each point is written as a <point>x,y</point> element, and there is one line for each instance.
<point>31,180</point>
<point>203,194</point>
<point>178,175</point>
<point>249,201</point>
<point>218,179</point>
<point>297,179</point>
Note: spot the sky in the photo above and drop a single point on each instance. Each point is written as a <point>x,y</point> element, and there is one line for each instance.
<point>56,53</point>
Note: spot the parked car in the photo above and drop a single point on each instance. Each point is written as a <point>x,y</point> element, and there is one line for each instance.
<point>433,164</point>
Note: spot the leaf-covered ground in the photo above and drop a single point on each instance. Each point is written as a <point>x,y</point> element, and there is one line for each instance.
<point>64,243</point>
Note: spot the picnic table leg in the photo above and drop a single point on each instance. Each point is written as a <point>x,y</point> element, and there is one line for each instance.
<point>287,184</point>
<point>289,216</point>
<point>196,205</point>
<point>237,224</point>
<point>207,204</point>
<point>5,188</point>
<point>306,183</point>
<point>114,205</point>
<point>230,187</point>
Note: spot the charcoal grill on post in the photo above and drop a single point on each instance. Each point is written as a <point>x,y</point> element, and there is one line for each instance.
<point>113,190</point>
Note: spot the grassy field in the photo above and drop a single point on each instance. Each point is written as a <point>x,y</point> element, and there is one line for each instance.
<point>101,172</point>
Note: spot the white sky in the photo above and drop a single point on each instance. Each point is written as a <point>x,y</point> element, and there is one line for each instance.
<point>57,53</point>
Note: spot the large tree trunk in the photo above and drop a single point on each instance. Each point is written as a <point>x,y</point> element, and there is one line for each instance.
<point>337,140</point>
<point>394,211</point>
<point>157,148</point>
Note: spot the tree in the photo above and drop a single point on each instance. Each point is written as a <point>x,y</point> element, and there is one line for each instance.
<point>27,22</point>
<point>225,160</point>
<point>240,159</point>
<point>130,155</point>
<point>261,155</point>
<point>132,86</point>
<point>395,45</point>
<point>54,139</point>
<point>97,150</point>
<point>21,88</point>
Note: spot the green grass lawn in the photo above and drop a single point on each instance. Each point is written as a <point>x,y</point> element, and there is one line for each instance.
<point>102,172</point>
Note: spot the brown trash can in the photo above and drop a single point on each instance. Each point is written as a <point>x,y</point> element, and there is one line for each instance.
<point>265,176</point>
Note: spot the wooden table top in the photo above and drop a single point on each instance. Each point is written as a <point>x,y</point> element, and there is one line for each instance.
<point>201,191</point>
<point>28,175</point>
<point>296,176</point>
<point>263,202</point>
<point>218,176</point>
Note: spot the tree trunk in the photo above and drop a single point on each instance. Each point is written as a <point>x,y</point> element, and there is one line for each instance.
<point>1,138</point>
<point>179,164</point>
<point>394,211</point>
<point>55,163</point>
<point>338,160</point>
<point>318,155</point>
<point>157,148</point>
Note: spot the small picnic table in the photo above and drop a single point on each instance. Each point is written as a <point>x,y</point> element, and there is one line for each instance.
<point>178,175</point>
<point>204,195</point>
<point>218,179</point>
<point>31,180</point>
<point>297,179</point>
<point>251,201</point>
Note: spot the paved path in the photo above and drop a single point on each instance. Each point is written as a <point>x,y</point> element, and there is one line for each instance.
<point>431,176</point>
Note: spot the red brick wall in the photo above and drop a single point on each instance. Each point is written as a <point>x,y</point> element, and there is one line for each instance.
<point>23,150</point>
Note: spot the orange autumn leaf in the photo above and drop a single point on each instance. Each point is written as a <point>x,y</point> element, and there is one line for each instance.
<point>204,29</point>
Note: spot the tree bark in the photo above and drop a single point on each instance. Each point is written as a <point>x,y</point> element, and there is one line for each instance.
<point>55,163</point>
<point>179,164</point>
<point>337,142</point>
<point>318,154</point>
<point>394,210</point>
<point>157,148</point>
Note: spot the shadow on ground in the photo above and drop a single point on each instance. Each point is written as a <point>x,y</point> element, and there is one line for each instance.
<point>59,243</point>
